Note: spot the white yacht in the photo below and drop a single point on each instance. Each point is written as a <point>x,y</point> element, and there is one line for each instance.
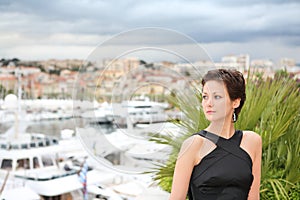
<point>129,149</point>
<point>138,112</point>
<point>39,163</point>
<point>49,168</point>
<point>35,161</point>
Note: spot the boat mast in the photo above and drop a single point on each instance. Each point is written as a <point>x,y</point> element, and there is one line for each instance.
<point>18,74</point>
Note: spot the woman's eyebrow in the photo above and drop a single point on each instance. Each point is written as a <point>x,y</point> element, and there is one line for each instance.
<point>214,92</point>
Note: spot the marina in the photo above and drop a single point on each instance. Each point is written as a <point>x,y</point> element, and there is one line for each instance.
<point>42,158</point>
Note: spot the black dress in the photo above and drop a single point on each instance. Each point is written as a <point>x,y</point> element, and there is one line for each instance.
<point>223,174</point>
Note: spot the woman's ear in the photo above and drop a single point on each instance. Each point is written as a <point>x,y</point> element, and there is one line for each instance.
<point>236,103</point>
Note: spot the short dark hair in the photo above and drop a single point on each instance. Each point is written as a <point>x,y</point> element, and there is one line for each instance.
<point>234,82</point>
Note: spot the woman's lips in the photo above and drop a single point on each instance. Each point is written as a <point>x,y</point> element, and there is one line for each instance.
<point>210,112</point>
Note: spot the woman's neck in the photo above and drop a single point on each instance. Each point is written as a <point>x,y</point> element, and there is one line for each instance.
<point>223,129</point>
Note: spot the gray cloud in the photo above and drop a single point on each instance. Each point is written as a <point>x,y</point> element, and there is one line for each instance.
<point>269,17</point>
<point>205,21</point>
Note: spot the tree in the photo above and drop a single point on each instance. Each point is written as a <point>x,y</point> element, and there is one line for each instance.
<point>15,60</point>
<point>2,91</point>
<point>142,62</point>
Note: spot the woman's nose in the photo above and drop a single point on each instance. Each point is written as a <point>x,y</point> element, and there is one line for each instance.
<point>210,102</point>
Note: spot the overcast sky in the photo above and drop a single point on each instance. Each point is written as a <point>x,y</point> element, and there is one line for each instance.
<point>36,29</point>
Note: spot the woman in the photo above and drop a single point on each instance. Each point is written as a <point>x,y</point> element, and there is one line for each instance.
<point>219,162</point>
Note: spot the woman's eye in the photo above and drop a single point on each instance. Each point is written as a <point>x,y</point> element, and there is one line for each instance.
<point>217,97</point>
<point>204,97</point>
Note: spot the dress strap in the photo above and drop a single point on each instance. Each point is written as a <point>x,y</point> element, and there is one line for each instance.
<point>237,137</point>
<point>231,145</point>
<point>208,135</point>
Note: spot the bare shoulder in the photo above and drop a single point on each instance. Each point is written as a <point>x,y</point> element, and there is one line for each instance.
<point>252,144</point>
<point>252,137</point>
<point>190,147</point>
<point>192,143</point>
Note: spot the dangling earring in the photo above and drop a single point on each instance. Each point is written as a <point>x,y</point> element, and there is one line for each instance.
<point>234,116</point>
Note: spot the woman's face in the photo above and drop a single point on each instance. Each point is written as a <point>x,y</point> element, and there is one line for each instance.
<point>216,102</point>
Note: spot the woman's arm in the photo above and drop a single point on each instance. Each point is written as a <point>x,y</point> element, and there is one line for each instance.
<point>256,168</point>
<point>186,160</point>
